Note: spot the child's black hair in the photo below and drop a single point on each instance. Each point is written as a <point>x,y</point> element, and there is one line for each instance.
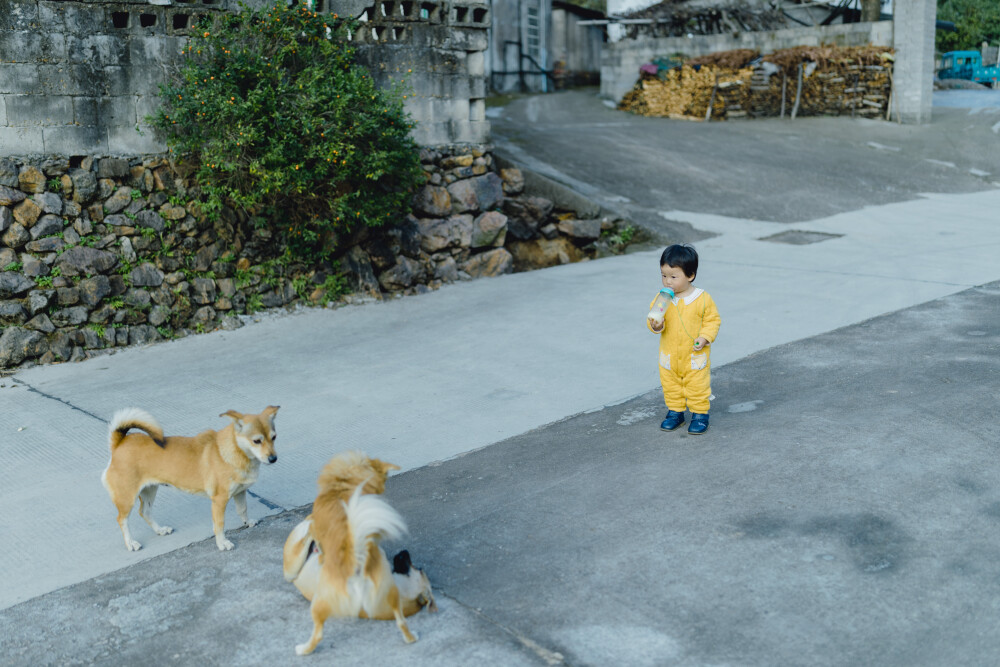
<point>682,256</point>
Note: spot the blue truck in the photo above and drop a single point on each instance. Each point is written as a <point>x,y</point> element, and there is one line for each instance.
<point>968,65</point>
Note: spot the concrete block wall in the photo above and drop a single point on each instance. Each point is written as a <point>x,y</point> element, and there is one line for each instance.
<point>77,78</point>
<point>437,50</point>
<point>620,61</point>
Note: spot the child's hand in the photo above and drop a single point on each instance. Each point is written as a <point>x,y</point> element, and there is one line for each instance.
<point>654,325</point>
<point>700,343</point>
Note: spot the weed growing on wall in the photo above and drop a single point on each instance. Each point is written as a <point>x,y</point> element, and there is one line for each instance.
<point>282,122</point>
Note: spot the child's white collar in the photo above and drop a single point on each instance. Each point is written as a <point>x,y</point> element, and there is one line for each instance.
<point>690,297</point>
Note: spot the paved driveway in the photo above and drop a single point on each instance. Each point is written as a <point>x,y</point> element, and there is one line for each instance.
<point>841,510</point>
<point>764,169</point>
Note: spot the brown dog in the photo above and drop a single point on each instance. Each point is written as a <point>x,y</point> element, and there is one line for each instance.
<point>218,464</point>
<point>333,557</point>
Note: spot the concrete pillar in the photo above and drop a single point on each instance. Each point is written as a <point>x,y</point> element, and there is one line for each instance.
<point>913,76</point>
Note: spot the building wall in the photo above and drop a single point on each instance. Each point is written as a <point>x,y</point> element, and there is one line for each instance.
<point>579,46</point>
<point>620,61</point>
<point>78,78</point>
<point>519,51</point>
<point>437,50</point>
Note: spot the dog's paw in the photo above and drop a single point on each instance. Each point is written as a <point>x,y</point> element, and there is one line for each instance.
<point>224,544</point>
<point>132,545</point>
<point>250,523</point>
<point>302,649</point>
<point>164,530</point>
<point>412,637</point>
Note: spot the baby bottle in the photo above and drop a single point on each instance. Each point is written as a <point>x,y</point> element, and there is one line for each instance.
<point>660,305</point>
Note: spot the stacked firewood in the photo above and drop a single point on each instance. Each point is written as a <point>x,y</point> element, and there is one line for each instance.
<point>735,59</point>
<point>687,91</point>
<point>801,81</point>
<point>834,81</point>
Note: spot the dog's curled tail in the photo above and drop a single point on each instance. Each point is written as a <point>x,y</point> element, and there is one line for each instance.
<point>129,418</point>
<point>371,519</point>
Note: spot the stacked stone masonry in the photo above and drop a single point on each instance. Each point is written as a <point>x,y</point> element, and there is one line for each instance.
<point>79,78</point>
<point>97,254</point>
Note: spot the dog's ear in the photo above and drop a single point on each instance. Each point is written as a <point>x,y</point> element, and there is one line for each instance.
<point>237,417</point>
<point>381,467</point>
<point>271,410</point>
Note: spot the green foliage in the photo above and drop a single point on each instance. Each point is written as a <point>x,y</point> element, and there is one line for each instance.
<point>54,185</point>
<point>254,303</point>
<point>97,328</point>
<point>301,287</point>
<point>13,266</point>
<point>976,21</point>
<point>281,121</point>
<point>43,281</point>
<point>116,302</point>
<point>166,332</point>
<point>335,286</point>
<point>626,234</point>
<point>619,238</point>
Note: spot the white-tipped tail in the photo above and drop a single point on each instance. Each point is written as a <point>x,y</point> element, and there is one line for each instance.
<point>371,517</point>
<point>129,418</point>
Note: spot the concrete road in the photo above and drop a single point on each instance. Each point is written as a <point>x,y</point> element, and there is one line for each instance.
<point>840,507</point>
<point>770,169</point>
<point>843,509</point>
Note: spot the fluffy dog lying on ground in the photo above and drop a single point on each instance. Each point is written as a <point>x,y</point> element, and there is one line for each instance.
<point>333,557</point>
<point>218,464</point>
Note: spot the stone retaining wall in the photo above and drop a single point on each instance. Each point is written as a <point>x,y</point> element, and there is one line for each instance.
<point>97,254</point>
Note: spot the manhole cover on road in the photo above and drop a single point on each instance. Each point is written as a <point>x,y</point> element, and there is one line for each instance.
<point>797,237</point>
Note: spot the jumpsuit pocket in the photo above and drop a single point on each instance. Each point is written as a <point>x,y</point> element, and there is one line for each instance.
<point>699,361</point>
<point>665,361</point>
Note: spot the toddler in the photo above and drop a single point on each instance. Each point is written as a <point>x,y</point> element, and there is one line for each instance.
<point>690,324</point>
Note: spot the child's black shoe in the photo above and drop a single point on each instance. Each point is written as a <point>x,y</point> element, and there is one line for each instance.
<point>699,423</point>
<point>673,420</point>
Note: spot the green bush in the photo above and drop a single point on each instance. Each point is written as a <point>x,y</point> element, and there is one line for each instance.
<point>281,121</point>
<point>976,21</point>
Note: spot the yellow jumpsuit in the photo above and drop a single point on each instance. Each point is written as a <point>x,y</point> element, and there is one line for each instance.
<point>684,373</point>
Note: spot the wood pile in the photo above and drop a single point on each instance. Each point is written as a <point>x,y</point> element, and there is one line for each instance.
<point>735,59</point>
<point>686,92</point>
<point>834,81</point>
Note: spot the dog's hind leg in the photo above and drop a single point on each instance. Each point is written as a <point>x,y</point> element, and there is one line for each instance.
<point>320,610</point>
<point>124,508</point>
<point>240,500</point>
<point>397,611</point>
<point>146,498</point>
